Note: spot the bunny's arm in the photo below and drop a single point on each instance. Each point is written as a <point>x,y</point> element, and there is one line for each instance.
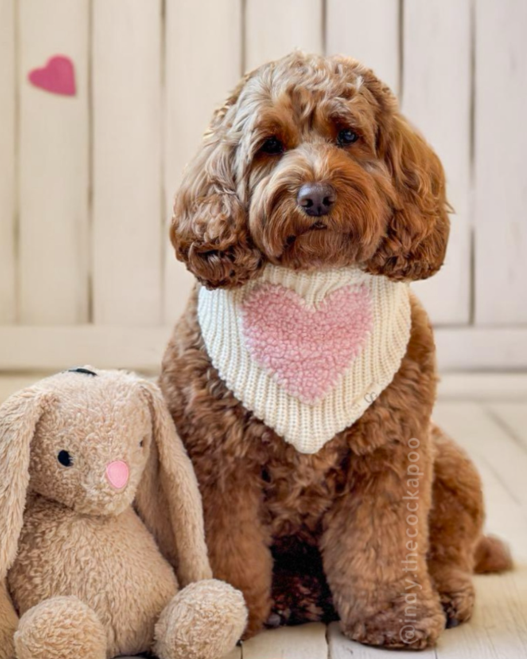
<point>8,624</point>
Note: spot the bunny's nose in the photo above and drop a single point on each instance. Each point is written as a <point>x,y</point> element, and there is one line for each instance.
<point>117,473</point>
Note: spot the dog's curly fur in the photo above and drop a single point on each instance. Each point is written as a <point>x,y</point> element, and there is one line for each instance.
<point>394,547</point>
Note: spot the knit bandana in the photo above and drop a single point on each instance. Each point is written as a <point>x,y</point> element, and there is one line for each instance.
<point>307,353</point>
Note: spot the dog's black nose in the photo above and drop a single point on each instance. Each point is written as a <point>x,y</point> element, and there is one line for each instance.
<point>316,199</point>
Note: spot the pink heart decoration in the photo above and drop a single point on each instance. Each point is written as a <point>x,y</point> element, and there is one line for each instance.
<point>57,77</point>
<point>306,349</point>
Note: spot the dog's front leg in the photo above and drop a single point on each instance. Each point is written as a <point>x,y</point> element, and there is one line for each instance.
<point>238,541</point>
<point>374,548</point>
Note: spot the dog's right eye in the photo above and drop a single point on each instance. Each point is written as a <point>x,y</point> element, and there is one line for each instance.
<point>272,146</point>
<point>65,458</point>
<point>347,136</point>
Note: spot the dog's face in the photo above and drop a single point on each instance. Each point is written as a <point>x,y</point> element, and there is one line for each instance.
<point>309,165</point>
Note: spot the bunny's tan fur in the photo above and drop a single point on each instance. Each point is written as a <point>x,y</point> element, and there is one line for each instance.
<point>82,569</point>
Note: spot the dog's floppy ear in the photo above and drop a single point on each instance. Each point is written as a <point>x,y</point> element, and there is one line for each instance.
<point>168,499</point>
<point>415,241</point>
<point>209,229</point>
<point>19,416</point>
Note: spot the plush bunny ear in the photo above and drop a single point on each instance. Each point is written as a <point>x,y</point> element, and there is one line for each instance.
<point>168,499</point>
<point>19,416</point>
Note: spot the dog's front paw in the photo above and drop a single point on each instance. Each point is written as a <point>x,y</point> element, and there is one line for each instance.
<point>457,594</point>
<point>458,604</point>
<point>400,625</point>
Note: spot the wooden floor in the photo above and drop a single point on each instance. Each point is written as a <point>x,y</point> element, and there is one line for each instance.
<point>487,415</point>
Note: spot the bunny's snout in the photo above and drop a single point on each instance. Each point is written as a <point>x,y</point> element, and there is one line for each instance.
<point>117,473</point>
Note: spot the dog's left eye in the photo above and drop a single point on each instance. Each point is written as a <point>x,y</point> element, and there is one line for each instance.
<point>347,136</point>
<point>273,146</point>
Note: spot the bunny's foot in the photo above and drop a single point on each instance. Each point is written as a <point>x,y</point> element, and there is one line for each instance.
<point>62,628</point>
<point>203,621</point>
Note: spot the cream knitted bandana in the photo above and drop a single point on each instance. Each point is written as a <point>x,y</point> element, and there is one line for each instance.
<point>307,353</point>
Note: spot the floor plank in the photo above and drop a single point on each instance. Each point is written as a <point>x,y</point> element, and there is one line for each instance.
<point>305,642</point>
<point>470,425</point>
<point>512,417</point>
<point>504,518</point>
<point>501,464</point>
<point>498,627</point>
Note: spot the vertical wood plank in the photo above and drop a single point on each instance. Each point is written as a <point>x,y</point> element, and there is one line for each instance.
<point>53,167</point>
<point>127,243</point>
<point>367,31</point>
<point>7,161</point>
<point>202,64</point>
<point>500,162</point>
<point>436,97</point>
<point>275,27</point>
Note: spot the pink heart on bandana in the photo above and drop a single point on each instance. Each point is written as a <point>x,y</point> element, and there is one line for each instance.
<point>306,349</point>
<point>57,77</point>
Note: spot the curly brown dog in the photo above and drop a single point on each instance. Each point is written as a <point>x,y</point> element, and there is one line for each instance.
<point>350,531</point>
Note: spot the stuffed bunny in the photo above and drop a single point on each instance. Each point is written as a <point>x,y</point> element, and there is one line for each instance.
<point>87,575</point>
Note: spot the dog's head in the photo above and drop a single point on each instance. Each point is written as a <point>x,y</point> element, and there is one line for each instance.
<point>309,165</point>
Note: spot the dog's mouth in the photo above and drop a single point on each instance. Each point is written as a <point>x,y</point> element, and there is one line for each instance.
<point>316,226</point>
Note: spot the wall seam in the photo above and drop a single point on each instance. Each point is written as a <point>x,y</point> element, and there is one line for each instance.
<point>90,193</point>
<point>472,161</point>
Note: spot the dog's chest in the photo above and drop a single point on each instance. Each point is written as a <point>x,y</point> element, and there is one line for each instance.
<point>299,489</point>
<point>111,564</point>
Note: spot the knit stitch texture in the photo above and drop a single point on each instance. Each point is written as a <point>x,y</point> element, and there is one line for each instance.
<point>307,353</point>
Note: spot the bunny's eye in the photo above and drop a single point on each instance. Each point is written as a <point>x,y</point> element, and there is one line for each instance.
<point>65,458</point>
<point>142,443</point>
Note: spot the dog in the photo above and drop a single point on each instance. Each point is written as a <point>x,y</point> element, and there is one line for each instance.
<point>309,176</point>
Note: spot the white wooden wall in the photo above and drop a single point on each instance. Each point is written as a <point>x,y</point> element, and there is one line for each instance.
<point>86,182</point>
